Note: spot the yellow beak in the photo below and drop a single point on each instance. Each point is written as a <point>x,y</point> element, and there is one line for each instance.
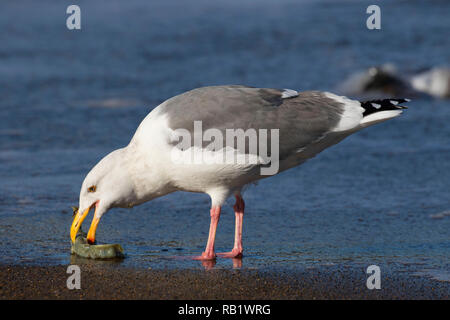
<point>76,224</point>
<point>92,229</point>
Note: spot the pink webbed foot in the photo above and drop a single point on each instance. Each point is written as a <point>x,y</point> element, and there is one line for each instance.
<point>205,256</point>
<point>235,253</point>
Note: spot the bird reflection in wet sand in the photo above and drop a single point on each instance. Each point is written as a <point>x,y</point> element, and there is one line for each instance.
<point>210,264</point>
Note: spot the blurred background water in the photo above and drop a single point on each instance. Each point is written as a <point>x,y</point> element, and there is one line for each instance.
<point>67,98</point>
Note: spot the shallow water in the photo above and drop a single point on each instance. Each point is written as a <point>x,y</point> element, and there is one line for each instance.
<point>68,98</point>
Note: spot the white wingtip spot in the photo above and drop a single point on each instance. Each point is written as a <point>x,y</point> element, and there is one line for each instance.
<point>393,102</point>
<point>289,93</point>
<point>376,105</point>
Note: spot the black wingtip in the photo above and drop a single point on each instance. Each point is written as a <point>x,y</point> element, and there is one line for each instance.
<point>373,106</point>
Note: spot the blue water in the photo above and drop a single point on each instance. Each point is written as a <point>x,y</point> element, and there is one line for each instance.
<point>67,98</point>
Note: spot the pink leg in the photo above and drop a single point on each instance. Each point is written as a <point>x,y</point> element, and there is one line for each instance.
<point>209,253</point>
<point>237,248</point>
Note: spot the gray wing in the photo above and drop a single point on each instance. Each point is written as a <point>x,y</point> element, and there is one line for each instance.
<point>301,118</point>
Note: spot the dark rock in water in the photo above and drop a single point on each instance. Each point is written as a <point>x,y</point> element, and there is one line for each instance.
<point>386,82</point>
<point>101,251</point>
<point>377,83</point>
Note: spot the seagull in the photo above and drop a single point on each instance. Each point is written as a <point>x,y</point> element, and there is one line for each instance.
<point>197,142</point>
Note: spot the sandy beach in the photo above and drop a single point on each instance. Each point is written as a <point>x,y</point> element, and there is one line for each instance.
<point>100,282</point>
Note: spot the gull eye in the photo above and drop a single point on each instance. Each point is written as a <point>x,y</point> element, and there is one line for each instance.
<point>92,189</point>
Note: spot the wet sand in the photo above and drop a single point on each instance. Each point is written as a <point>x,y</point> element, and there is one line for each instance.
<point>100,282</point>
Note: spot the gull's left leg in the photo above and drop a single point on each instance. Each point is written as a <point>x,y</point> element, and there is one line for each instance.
<point>239,213</point>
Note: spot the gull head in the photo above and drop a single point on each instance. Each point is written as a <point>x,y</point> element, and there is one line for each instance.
<point>106,186</point>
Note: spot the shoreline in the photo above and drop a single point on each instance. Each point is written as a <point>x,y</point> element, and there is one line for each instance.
<point>106,282</point>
